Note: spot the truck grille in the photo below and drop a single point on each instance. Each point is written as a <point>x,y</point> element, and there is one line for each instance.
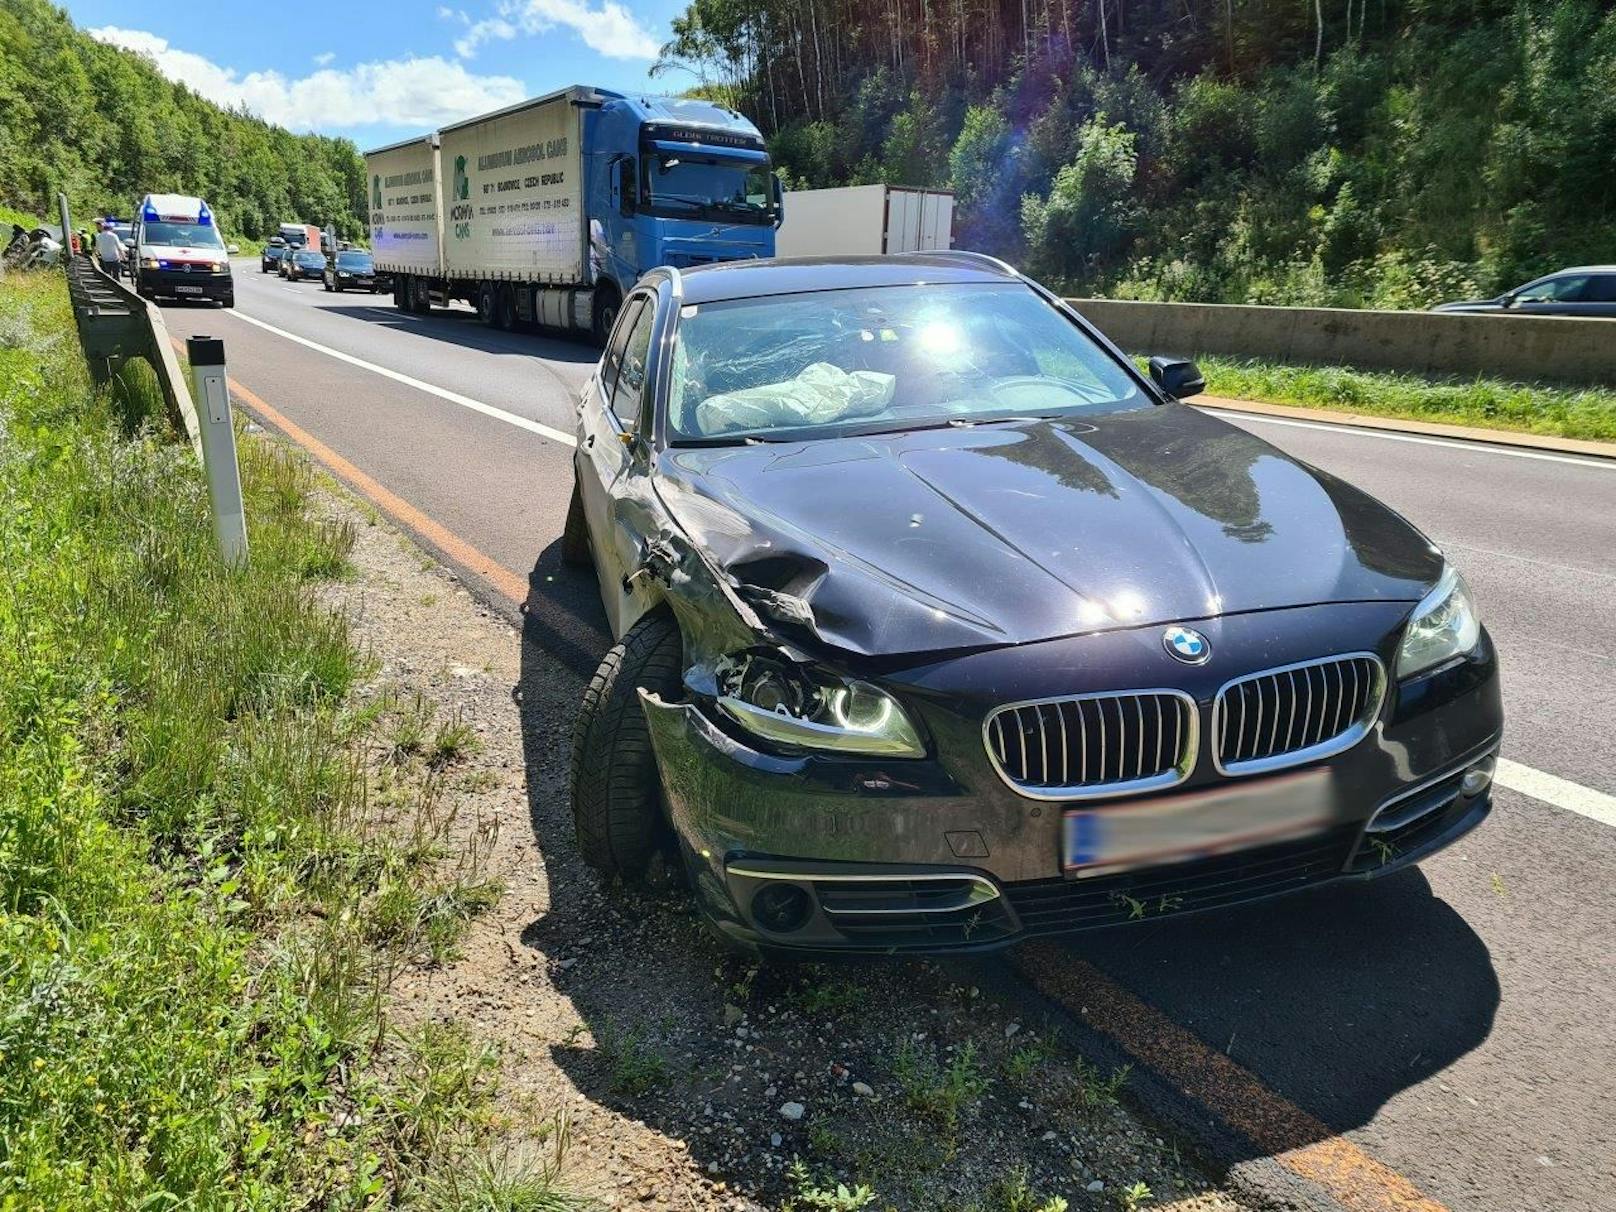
<point>1093,744</point>
<point>1297,713</point>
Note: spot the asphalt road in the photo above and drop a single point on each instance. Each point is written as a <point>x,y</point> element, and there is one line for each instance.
<point>1452,1024</point>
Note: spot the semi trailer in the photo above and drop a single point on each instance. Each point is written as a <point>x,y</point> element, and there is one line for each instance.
<point>866,220</point>
<point>548,212</point>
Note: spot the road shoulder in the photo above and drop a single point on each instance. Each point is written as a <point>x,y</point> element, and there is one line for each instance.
<point>1460,433</point>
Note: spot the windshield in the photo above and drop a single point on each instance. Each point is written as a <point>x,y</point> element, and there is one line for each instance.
<point>353,260</point>
<point>683,187</point>
<point>884,359</point>
<point>307,256</point>
<point>188,235</point>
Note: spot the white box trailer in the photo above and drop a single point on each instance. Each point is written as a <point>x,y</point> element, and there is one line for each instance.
<point>515,194</point>
<point>406,228</point>
<point>865,220</point>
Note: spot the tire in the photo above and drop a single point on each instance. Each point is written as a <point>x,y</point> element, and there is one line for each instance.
<point>607,301</point>
<point>575,551</point>
<point>613,784</point>
<point>337,289</point>
<point>505,308</point>
<point>487,304</point>
<point>401,293</point>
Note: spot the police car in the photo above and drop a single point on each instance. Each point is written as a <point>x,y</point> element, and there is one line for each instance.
<point>179,252</point>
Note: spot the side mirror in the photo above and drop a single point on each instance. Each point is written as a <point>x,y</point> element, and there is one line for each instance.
<point>778,189</point>
<point>1178,377</point>
<point>232,249</point>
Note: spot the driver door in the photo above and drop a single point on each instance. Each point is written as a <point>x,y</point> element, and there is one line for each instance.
<point>607,452</point>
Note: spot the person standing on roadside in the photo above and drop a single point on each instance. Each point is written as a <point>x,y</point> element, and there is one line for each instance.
<point>108,248</point>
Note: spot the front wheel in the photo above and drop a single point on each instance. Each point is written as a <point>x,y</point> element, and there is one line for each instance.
<point>605,313</point>
<point>613,784</point>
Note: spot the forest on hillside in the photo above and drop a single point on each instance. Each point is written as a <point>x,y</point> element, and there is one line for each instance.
<point>1339,152</point>
<point>103,125</point>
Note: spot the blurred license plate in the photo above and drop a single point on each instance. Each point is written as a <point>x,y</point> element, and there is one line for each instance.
<point>1194,824</point>
<point>188,290</point>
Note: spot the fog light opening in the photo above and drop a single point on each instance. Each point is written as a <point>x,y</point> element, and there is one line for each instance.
<point>781,908</point>
<point>1478,778</point>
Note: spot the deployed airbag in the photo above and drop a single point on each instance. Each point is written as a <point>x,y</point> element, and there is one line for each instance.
<point>819,395</point>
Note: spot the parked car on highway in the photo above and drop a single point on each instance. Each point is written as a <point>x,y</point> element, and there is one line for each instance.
<point>1585,290</point>
<point>939,625</point>
<point>352,270</point>
<point>270,259</point>
<point>302,264</point>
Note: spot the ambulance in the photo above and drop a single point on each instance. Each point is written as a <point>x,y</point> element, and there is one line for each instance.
<point>178,251</point>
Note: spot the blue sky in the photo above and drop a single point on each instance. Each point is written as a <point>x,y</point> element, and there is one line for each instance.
<point>378,71</point>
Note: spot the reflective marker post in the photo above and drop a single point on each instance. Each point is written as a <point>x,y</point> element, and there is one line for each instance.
<point>218,446</point>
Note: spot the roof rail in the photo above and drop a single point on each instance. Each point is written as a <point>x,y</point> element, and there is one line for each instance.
<point>981,260</point>
<point>675,278</point>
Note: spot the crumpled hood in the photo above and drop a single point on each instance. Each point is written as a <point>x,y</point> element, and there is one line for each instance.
<point>1015,532</point>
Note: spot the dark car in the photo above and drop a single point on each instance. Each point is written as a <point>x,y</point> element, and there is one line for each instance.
<point>1586,290</point>
<point>939,625</point>
<point>303,263</point>
<point>269,260</point>
<point>351,269</point>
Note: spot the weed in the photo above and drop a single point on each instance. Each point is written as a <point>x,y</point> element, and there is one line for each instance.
<point>823,1139</point>
<point>453,740</point>
<point>809,1193</point>
<point>635,1067</point>
<point>1094,1092</point>
<point>1500,890</point>
<point>937,1092</point>
<point>829,996</point>
<point>1134,1197</point>
<point>1011,1193</point>
<point>1026,1059</point>
<point>1385,851</point>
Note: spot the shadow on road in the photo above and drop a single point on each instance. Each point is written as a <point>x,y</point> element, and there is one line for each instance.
<point>464,329</point>
<point>1337,1000</point>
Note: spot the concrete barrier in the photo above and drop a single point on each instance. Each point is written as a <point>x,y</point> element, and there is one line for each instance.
<point>1527,348</point>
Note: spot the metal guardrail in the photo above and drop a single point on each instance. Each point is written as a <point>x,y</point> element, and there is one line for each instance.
<point>115,326</point>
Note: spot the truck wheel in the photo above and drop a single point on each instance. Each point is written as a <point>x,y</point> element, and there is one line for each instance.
<point>423,297</point>
<point>575,551</point>
<point>613,784</point>
<point>607,301</point>
<point>486,308</point>
<point>506,304</point>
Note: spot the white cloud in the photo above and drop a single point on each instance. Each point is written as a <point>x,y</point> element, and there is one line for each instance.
<point>401,92</point>
<point>324,57</point>
<point>608,29</point>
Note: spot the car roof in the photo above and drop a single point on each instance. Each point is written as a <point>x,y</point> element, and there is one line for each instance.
<point>1583,269</point>
<point>796,275</point>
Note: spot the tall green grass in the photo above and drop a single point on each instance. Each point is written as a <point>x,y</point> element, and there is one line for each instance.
<point>192,1004</point>
<point>1565,412</point>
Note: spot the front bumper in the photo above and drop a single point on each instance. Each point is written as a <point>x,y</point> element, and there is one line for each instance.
<point>221,288</point>
<point>939,854</point>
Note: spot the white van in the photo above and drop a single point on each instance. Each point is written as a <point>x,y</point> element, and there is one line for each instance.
<point>178,250</point>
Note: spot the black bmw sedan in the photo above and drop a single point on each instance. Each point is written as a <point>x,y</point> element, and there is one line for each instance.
<point>941,626</point>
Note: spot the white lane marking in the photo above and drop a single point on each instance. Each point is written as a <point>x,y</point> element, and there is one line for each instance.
<point>1556,791</point>
<point>1476,447</point>
<point>454,397</point>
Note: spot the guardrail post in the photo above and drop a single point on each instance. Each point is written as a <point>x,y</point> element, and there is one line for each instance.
<point>218,446</point>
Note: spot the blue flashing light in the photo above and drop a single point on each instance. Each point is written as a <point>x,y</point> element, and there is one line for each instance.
<point>204,216</point>
<point>149,213</point>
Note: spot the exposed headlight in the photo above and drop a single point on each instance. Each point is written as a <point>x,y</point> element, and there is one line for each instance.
<point>148,263</point>
<point>813,708</point>
<point>221,267</point>
<point>1444,625</point>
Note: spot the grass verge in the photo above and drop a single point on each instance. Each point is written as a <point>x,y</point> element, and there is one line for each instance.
<point>1565,412</point>
<point>210,862</point>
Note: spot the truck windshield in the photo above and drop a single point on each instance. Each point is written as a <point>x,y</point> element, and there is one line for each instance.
<point>188,235</point>
<point>684,187</point>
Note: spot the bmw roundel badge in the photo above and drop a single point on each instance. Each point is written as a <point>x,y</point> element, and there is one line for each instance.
<point>1187,645</point>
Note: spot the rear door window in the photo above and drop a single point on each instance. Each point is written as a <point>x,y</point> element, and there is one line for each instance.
<point>614,347</point>
<point>629,390</point>
<point>1601,288</point>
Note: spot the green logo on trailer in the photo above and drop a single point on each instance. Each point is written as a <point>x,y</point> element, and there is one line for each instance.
<point>462,183</point>
<point>375,191</point>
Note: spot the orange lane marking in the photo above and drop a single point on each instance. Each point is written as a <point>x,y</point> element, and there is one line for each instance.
<point>1296,1140</point>
<point>394,506</point>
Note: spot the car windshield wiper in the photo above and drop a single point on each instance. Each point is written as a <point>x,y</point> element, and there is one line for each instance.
<point>973,422</point>
<point>730,439</point>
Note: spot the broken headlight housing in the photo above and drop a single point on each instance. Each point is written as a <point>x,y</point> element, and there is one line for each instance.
<point>810,707</point>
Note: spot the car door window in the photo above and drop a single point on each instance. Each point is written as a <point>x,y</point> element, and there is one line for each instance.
<point>614,347</point>
<point>1601,288</point>
<point>1554,290</point>
<point>629,389</point>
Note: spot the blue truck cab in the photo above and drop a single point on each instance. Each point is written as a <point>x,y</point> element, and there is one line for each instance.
<point>672,181</point>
